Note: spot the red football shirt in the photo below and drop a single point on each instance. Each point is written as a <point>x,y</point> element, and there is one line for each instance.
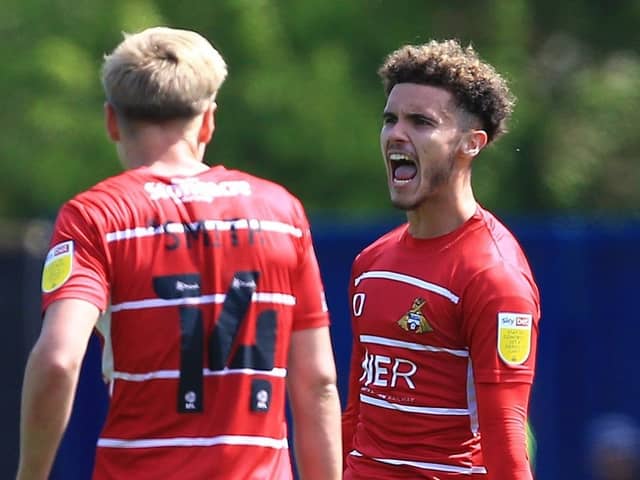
<point>431,317</point>
<point>204,279</point>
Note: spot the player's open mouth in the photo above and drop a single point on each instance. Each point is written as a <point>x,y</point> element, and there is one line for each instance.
<point>403,168</point>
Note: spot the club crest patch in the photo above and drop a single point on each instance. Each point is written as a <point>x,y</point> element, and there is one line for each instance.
<point>514,337</point>
<point>57,266</point>
<point>414,320</point>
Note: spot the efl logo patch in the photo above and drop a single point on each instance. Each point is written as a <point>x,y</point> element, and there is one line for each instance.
<point>260,395</point>
<point>514,337</point>
<point>57,266</point>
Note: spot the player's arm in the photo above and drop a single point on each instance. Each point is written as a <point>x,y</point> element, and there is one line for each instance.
<point>311,371</point>
<point>503,389</point>
<point>350,415</point>
<point>501,313</point>
<point>502,413</point>
<point>50,381</point>
<point>315,405</point>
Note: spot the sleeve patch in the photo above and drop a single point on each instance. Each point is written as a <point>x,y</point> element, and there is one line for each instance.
<point>514,337</point>
<point>57,266</point>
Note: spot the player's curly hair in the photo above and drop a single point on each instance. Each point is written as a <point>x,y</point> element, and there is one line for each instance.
<point>476,85</point>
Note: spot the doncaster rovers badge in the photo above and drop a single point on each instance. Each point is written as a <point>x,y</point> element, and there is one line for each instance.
<point>414,320</point>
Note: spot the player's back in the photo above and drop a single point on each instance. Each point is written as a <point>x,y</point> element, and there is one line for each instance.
<point>203,274</point>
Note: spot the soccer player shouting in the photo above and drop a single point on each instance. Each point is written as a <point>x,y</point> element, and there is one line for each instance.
<point>445,310</point>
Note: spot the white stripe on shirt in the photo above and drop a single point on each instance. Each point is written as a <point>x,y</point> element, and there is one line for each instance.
<point>416,282</point>
<point>390,342</point>
<point>378,402</point>
<point>209,225</point>
<point>161,374</point>
<point>257,297</point>
<point>426,465</point>
<point>244,440</point>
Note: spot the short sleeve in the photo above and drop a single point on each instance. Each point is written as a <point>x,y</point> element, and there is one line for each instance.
<point>501,314</point>
<point>311,305</point>
<point>76,265</point>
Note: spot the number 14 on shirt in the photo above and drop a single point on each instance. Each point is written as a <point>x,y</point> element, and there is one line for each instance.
<point>259,356</point>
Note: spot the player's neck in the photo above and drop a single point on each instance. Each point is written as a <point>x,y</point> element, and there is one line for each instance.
<point>178,168</point>
<point>441,215</point>
<point>165,156</point>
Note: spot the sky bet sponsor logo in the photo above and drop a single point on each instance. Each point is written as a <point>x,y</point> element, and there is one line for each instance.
<point>514,320</point>
<point>507,321</point>
<point>60,249</point>
<point>514,337</point>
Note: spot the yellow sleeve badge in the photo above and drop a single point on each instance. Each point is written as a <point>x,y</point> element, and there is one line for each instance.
<point>57,266</point>
<point>514,337</point>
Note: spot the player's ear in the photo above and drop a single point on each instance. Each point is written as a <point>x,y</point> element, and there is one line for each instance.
<point>474,141</point>
<point>208,124</point>
<point>111,122</point>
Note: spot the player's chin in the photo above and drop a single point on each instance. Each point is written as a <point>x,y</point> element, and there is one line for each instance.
<point>403,202</point>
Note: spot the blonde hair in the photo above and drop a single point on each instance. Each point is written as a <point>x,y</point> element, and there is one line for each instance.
<point>476,86</point>
<point>162,74</point>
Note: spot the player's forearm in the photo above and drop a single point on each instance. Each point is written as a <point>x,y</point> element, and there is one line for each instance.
<point>502,410</point>
<point>505,454</point>
<point>318,444</point>
<point>47,398</point>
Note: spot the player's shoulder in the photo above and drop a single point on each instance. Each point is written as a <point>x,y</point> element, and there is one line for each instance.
<point>491,242</point>
<point>262,186</point>
<point>497,260</point>
<point>103,194</point>
<point>269,195</point>
<point>114,202</point>
<point>116,185</point>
